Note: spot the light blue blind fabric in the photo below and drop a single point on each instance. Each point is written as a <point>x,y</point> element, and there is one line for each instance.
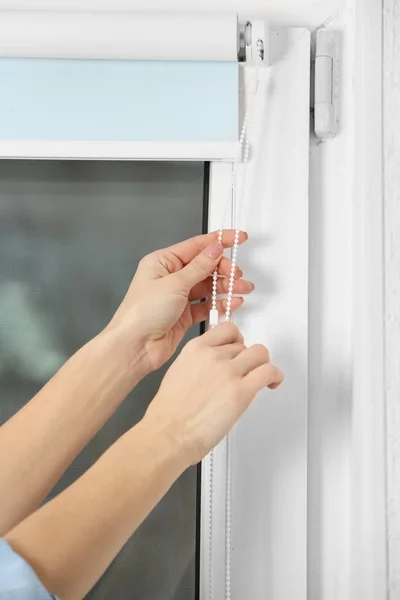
<point>18,581</point>
<point>113,100</point>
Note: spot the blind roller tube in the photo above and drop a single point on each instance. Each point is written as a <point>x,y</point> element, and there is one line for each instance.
<point>130,36</point>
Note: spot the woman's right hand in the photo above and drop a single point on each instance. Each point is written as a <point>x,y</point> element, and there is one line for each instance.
<point>208,388</point>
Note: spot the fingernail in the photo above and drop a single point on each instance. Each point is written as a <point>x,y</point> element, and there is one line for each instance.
<point>214,251</point>
<point>252,286</point>
<point>239,273</point>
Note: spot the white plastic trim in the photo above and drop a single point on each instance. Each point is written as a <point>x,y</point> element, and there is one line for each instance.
<point>119,150</point>
<point>269,446</point>
<point>368,481</point>
<point>392,285</point>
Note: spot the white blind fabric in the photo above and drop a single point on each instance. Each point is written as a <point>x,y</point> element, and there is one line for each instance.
<point>130,78</point>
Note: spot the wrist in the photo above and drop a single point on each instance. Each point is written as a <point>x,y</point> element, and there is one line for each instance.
<point>130,334</point>
<point>165,442</point>
<point>129,351</point>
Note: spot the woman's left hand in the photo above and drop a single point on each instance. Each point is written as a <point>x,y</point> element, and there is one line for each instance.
<point>162,302</point>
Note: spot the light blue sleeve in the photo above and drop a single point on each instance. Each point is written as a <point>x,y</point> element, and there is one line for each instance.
<point>18,580</point>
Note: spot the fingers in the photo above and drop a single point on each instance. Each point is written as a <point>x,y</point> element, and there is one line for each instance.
<point>265,376</point>
<point>224,268</point>
<point>253,364</point>
<point>204,289</point>
<point>203,265</point>
<point>201,312</point>
<point>251,359</point>
<point>199,268</point>
<point>187,250</point>
<point>231,351</point>
<point>227,333</point>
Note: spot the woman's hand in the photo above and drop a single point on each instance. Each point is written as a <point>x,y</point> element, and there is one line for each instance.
<point>208,388</point>
<point>162,302</point>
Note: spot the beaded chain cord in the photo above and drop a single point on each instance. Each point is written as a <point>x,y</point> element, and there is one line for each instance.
<point>244,143</point>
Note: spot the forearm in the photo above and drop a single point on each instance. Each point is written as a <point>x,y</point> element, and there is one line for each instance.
<point>42,439</point>
<point>70,541</point>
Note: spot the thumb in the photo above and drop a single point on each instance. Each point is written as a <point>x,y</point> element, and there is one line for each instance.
<point>201,266</point>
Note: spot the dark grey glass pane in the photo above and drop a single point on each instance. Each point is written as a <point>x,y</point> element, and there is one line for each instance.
<point>71,235</point>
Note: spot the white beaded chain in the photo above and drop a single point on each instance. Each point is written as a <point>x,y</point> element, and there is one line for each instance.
<point>245,140</point>
<point>244,143</point>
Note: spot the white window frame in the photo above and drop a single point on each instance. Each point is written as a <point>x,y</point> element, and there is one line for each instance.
<point>135,151</point>
<point>347,532</point>
<point>277,217</point>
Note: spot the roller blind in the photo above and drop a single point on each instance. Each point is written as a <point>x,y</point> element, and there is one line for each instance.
<point>106,77</point>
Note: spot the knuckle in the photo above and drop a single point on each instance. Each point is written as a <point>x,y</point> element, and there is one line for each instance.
<point>194,344</point>
<point>196,266</point>
<point>232,328</point>
<point>168,261</point>
<point>149,258</point>
<point>224,285</point>
<point>212,352</point>
<point>170,264</point>
<point>206,351</point>
<point>207,336</point>
<point>262,352</point>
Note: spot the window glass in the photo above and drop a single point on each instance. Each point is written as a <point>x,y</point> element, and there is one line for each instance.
<point>71,235</point>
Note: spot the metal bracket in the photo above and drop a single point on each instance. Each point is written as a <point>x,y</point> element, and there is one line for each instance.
<point>254,42</point>
<point>326,84</point>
